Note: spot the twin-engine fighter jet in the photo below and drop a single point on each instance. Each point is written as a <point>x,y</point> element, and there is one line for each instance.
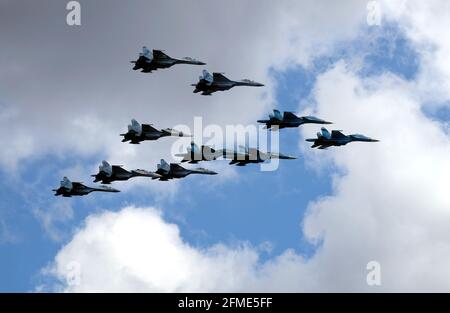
<point>208,83</point>
<point>252,155</point>
<point>196,154</point>
<point>150,61</point>
<point>289,119</point>
<point>108,173</point>
<point>336,138</point>
<point>141,132</point>
<point>173,170</point>
<point>69,189</point>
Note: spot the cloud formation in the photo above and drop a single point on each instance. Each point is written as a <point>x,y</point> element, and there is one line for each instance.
<point>389,205</point>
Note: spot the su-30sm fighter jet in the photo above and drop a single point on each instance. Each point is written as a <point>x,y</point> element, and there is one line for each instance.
<point>289,119</point>
<point>141,132</point>
<point>69,189</point>
<point>149,61</point>
<point>208,83</point>
<point>252,155</point>
<point>108,173</point>
<point>195,154</point>
<point>173,170</point>
<point>336,138</point>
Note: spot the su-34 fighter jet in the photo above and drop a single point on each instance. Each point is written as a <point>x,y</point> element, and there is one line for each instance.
<point>141,132</point>
<point>252,155</point>
<point>108,173</point>
<point>195,154</point>
<point>208,83</point>
<point>149,61</point>
<point>173,170</point>
<point>336,138</point>
<point>69,189</point>
<point>289,119</point>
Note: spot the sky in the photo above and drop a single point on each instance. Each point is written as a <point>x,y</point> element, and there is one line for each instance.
<point>67,92</point>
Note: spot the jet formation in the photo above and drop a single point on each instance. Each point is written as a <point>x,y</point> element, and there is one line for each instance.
<point>152,60</point>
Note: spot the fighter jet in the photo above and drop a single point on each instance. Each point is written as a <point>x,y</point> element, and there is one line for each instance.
<point>336,138</point>
<point>69,189</point>
<point>108,173</point>
<point>289,119</point>
<point>149,61</point>
<point>173,170</point>
<point>252,155</point>
<point>196,154</point>
<point>208,83</point>
<point>140,132</point>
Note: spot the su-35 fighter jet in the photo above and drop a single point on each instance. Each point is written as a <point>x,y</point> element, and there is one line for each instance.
<point>289,119</point>
<point>149,61</point>
<point>336,138</point>
<point>141,132</point>
<point>108,173</point>
<point>196,154</point>
<point>208,83</point>
<point>69,189</point>
<point>173,170</point>
<point>252,155</point>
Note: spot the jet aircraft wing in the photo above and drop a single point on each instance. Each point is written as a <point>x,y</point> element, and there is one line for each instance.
<point>289,116</point>
<point>147,128</point>
<point>337,134</point>
<point>220,77</point>
<point>158,54</point>
<point>117,169</point>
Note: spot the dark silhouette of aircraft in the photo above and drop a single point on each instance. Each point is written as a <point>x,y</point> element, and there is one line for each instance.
<point>69,189</point>
<point>208,83</point>
<point>141,132</point>
<point>173,170</point>
<point>149,61</point>
<point>336,138</point>
<point>289,119</point>
<point>108,173</point>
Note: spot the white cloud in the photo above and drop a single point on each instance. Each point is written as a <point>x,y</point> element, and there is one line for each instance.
<point>426,23</point>
<point>73,90</point>
<point>390,205</point>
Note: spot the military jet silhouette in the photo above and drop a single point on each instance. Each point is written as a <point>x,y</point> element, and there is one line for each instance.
<point>141,132</point>
<point>173,170</point>
<point>208,83</point>
<point>108,173</point>
<point>251,155</point>
<point>149,61</point>
<point>69,189</point>
<point>336,138</point>
<point>289,119</point>
<point>196,154</point>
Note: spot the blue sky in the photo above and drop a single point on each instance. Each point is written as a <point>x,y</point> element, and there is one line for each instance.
<point>258,207</point>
